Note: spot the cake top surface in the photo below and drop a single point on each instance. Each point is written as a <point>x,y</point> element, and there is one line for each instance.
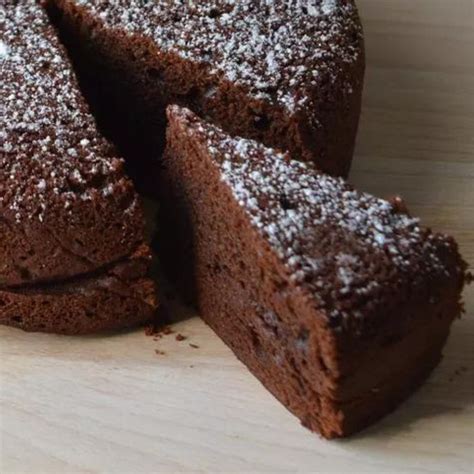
<point>276,50</point>
<point>348,248</point>
<point>50,152</point>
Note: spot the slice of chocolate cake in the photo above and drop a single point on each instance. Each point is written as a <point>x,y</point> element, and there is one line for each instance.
<point>339,302</point>
<point>288,74</point>
<point>68,213</point>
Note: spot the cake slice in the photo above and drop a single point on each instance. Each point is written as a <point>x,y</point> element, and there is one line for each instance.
<point>288,74</point>
<point>339,302</point>
<point>68,212</point>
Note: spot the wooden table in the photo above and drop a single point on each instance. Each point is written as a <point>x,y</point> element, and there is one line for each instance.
<point>112,404</point>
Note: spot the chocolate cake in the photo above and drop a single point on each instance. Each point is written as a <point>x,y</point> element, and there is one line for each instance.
<point>68,213</point>
<point>339,302</point>
<point>282,73</point>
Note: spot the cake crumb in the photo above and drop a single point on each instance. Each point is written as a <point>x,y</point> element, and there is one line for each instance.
<point>180,337</point>
<point>151,330</point>
<point>167,330</point>
<point>158,331</point>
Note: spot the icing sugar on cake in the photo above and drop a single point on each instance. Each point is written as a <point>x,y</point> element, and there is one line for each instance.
<point>3,50</point>
<point>50,152</point>
<point>275,49</point>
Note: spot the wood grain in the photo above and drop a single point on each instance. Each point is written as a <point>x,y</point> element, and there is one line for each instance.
<point>111,404</point>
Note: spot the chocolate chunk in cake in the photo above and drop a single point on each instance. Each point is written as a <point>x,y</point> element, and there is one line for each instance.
<point>282,73</point>
<point>336,300</point>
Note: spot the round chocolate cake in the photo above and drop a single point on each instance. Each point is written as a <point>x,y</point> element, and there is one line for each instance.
<point>240,116</point>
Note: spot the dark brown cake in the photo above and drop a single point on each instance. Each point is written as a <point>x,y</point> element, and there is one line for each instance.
<point>339,302</point>
<point>336,300</point>
<point>282,73</point>
<point>66,207</point>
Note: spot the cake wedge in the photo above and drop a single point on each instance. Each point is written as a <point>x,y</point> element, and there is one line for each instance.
<point>337,301</point>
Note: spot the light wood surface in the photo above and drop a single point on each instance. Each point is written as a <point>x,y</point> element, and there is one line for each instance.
<point>111,404</point>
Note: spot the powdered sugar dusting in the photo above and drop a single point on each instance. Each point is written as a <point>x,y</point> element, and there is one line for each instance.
<point>328,6</point>
<point>276,50</point>
<point>3,50</point>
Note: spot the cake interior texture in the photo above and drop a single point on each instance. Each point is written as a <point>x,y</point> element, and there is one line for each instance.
<point>339,302</point>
